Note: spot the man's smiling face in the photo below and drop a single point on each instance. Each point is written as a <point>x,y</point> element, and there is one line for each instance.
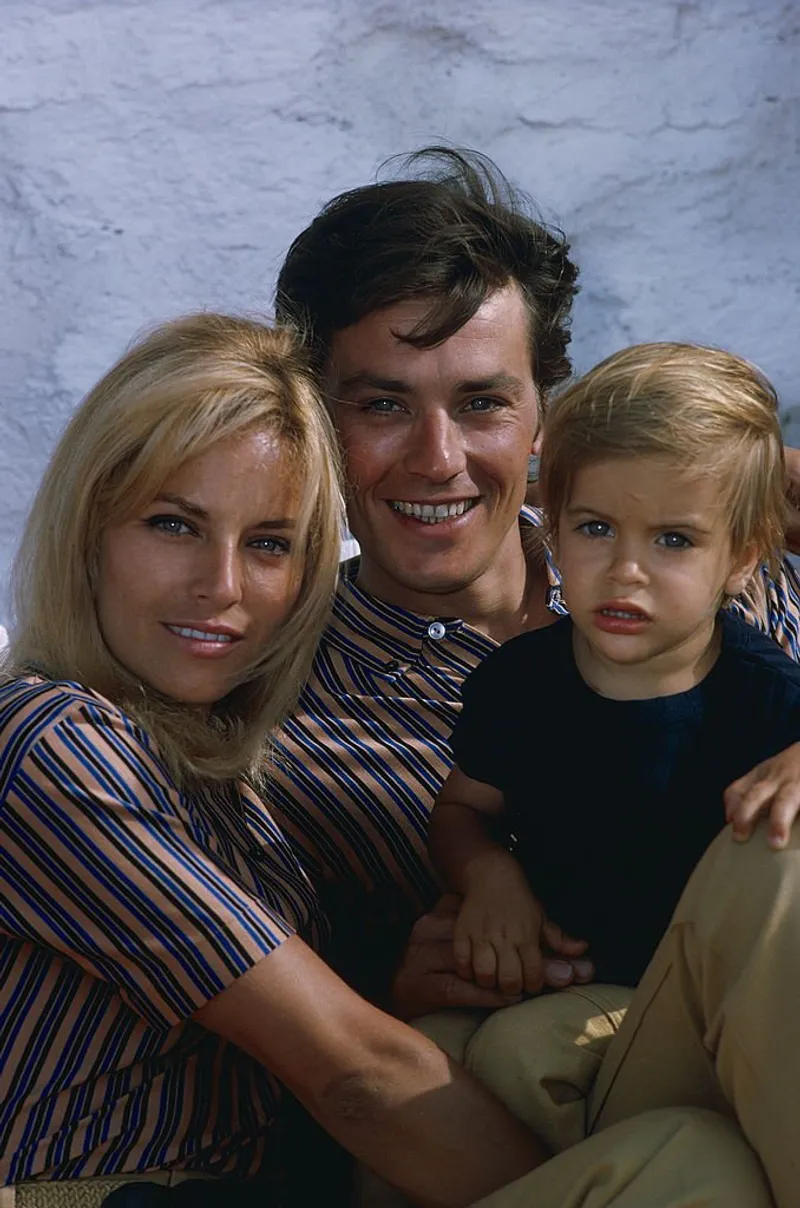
<point>436,443</point>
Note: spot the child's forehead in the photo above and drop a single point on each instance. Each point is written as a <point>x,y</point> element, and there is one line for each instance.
<point>651,482</point>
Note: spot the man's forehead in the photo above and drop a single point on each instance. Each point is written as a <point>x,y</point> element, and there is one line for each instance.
<point>490,351</point>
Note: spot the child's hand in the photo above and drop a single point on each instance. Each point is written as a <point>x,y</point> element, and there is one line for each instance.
<point>498,933</point>
<point>772,787</point>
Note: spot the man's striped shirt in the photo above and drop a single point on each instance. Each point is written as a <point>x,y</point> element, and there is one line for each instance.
<point>360,761</point>
<point>125,906</point>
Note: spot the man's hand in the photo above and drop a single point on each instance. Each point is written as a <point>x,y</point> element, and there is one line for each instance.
<point>772,787</point>
<point>792,533</point>
<point>427,979</point>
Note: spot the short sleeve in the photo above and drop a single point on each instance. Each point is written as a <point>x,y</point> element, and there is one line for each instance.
<point>99,862</point>
<point>480,737</point>
<point>772,605</point>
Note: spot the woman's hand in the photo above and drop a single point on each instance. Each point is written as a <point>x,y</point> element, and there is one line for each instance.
<point>772,787</point>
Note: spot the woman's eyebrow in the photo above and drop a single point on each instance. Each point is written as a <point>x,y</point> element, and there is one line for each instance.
<point>193,509</point>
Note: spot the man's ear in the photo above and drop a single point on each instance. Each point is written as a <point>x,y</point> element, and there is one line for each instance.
<point>742,571</point>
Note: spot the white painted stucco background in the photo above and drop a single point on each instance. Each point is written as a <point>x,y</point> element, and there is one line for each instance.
<point>159,156</point>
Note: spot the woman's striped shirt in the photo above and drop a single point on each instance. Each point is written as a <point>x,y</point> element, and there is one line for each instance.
<point>362,758</point>
<point>125,906</point>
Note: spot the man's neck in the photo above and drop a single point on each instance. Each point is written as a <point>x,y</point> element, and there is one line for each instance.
<point>508,598</point>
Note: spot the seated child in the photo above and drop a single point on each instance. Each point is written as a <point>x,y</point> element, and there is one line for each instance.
<point>603,743</point>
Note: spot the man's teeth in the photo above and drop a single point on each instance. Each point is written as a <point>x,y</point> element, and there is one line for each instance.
<point>200,635</point>
<point>432,513</point>
<point>618,612</point>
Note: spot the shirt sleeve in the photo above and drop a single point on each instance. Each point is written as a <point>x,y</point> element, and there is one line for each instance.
<point>772,605</point>
<point>99,863</point>
<point>480,737</point>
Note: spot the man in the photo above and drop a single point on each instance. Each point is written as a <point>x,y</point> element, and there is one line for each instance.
<point>437,313</point>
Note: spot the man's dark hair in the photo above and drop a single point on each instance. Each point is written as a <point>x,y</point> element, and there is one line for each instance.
<point>453,233</point>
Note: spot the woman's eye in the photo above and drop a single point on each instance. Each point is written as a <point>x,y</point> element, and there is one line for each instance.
<point>271,545</point>
<point>674,541</point>
<point>174,526</point>
<point>594,528</point>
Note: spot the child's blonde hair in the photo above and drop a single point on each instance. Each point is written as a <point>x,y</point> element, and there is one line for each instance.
<point>701,408</point>
<point>182,389</point>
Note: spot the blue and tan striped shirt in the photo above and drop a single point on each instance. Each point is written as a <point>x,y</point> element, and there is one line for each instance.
<point>125,906</point>
<point>361,760</point>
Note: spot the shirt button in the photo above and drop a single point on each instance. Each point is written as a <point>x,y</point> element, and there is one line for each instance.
<point>436,631</point>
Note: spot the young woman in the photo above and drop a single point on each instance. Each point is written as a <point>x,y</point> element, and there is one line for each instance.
<point>158,973</point>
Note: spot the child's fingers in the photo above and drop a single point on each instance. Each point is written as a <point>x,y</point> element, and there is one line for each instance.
<point>530,955</point>
<point>484,963</point>
<point>509,970</point>
<point>462,956</point>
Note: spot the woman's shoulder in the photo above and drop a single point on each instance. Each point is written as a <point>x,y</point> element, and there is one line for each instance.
<point>36,712</point>
<point>32,701</point>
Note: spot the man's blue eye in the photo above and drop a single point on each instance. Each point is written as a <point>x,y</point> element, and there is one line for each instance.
<point>674,541</point>
<point>483,404</point>
<point>382,406</point>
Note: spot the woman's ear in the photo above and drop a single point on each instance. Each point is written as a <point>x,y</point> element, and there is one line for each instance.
<point>742,571</point>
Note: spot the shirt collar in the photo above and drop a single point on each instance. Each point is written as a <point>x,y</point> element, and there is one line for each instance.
<point>378,633</point>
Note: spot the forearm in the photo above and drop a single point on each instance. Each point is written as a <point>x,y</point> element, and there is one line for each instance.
<point>384,1091</point>
<point>461,845</point>
<point>427,1127</point>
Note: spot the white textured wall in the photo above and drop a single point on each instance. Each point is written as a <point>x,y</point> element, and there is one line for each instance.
<point>157,156</point>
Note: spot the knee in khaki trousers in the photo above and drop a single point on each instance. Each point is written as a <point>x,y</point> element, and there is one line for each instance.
<point>714,1024</point>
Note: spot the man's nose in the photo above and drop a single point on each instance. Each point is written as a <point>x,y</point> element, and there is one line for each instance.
<point>435,448</point>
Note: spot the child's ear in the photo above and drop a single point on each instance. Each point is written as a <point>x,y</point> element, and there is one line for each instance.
<point>742,571</point>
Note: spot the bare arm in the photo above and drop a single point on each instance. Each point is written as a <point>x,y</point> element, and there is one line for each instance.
<point>460,841</point>
<point>384,1091</point>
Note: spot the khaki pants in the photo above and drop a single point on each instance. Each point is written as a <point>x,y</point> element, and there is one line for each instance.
<point>714,1024</point>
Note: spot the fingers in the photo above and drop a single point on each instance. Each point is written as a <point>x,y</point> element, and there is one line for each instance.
<point>452,991</point>
<point>745,800</point>
<point>560,942</point>
<point>432,927</point>
<point>785,808</point>
<point>484,962</point>
<point>774,787</point>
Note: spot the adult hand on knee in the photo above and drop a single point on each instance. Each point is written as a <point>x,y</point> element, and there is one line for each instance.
<point>773,788</point>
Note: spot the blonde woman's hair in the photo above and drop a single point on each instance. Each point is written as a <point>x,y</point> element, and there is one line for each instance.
<point>701,408</point>
<point>177,392</point>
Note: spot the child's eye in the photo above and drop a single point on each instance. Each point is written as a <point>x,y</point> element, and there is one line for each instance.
<point>594,528</point>
<point>674,541</point>
<point>173,526</point>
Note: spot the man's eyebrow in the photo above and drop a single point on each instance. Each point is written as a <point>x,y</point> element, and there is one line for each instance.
<point>375,382</point>
<point>496,381</point>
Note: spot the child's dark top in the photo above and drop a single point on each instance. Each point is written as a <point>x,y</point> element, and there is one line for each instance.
<point>612,803</point>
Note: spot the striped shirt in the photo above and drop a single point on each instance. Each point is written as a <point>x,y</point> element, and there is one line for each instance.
<point>125,906</point>
<point>361,760</point>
